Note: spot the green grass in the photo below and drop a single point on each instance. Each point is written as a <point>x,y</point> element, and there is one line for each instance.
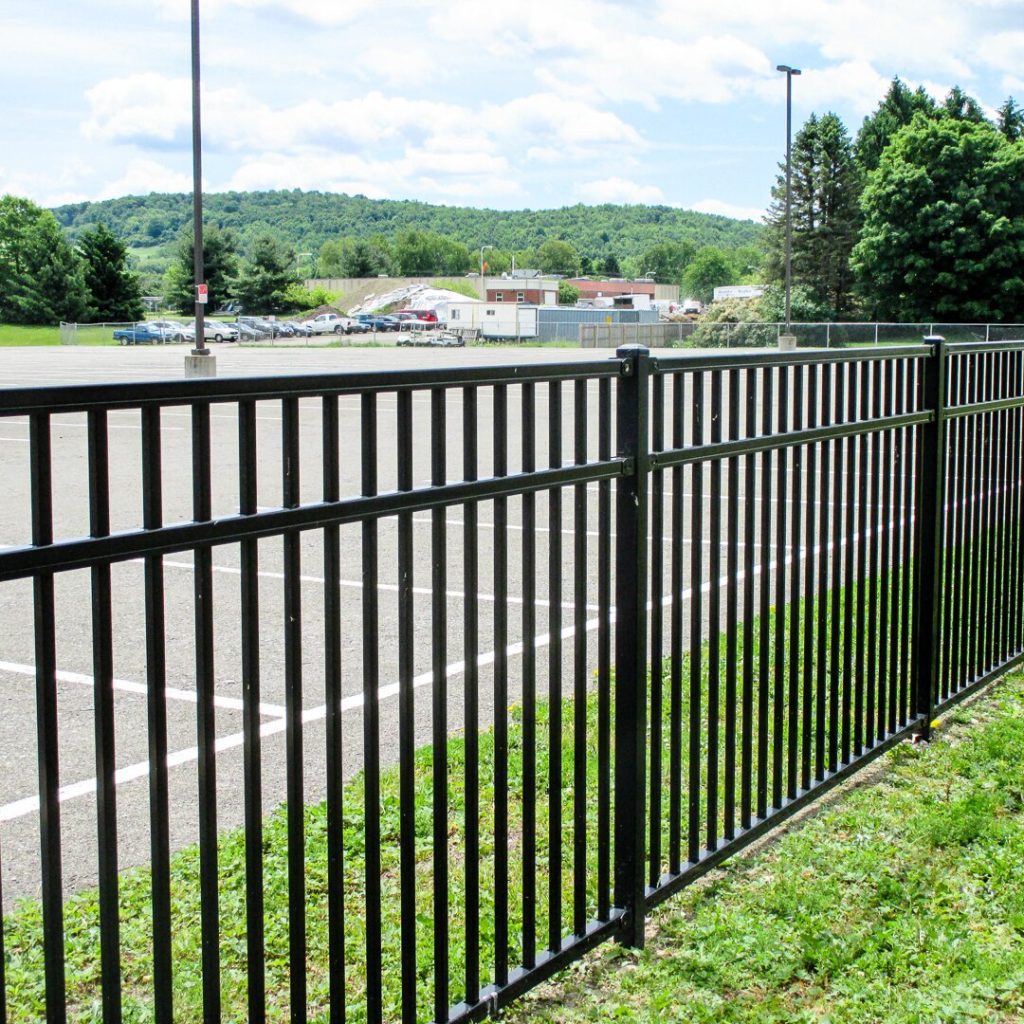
<point>900,902</point>
<point>14,335</point>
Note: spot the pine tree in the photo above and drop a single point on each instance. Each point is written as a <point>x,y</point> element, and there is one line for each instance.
<point>114,290</point>
<point>1010,121</point>
<point>826,186</point>
<point>895,111</point>
<point>220,267</point>
<point>41,279</point>
<point>266,276</point>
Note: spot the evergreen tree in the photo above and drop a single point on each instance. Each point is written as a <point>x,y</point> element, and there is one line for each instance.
<point>895,111</point>
<point>959,105</point>
<point>826,186</point>
<point>943,235</point>
<point>266,276</point>
<point>1010,120</point>
<point>114,290</point>
<point>41,278</point>
<point>220,268</point>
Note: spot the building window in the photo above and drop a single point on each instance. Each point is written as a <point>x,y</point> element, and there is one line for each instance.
<point>456,314</point>
<point>499,296</point>
<point>520,296</point>
<point>490,312</point>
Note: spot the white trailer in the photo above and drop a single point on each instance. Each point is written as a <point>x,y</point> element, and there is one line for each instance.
<point>493,321</point>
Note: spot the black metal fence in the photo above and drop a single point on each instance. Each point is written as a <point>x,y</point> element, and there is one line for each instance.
<point>385,696</point>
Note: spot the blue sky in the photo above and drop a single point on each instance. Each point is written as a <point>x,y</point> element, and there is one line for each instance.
<point>468,102</point>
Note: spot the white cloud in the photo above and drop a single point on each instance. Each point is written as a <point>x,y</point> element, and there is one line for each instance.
<point>143,176</point>
<point>618,190</point>
<point>856,85</point>
<point>726,209</point>
<point>146,106</point>
<point>1003,51</point>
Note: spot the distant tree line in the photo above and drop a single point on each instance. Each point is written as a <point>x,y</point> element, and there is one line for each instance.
<point>920,217</point>
<point>396,237</point>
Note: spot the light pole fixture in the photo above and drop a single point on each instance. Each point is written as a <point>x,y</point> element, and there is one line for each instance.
<point>789,73</point>
<point>483,248</point>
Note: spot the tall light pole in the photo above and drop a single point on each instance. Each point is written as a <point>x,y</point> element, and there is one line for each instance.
<point>789,73</point>
<point>202,364</point>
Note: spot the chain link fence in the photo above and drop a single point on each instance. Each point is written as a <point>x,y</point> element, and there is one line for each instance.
<point>842,335</point>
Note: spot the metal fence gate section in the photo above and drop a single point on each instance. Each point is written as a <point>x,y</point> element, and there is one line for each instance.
<point>385,696</point>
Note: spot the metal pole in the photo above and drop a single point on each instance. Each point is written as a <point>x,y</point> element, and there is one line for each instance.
<point>931,496</point>
<point>197,189</point>
<point>631,641</point>
<point>789,73</point>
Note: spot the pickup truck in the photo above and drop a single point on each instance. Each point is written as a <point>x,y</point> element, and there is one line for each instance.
<point>142,334</point>
<point>332,323</point>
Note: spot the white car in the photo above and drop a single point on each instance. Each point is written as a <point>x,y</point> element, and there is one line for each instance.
<point>332,323</point>
<point>213,330</point>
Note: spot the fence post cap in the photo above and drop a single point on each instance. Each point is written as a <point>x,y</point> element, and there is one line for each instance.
<point>933,339</point>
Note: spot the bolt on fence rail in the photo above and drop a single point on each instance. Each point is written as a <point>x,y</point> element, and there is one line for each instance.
<point>334,714</point>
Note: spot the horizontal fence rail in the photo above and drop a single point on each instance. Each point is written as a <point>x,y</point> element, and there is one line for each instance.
<point>385,696</point>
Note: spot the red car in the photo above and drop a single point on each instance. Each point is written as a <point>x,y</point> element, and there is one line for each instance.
<point>427,315</point>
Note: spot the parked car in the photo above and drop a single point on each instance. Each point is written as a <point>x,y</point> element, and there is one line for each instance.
<point>266,328</point>
<point>380,323</point>
<point>332,323</point>
<point>428,316</point>
<point>298,330</point>
<point>143,333</point>
<point>213,330</point>
<point>172,330</point>
<point>247,332</point>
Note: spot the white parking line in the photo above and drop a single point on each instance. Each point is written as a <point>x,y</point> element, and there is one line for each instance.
<point>129,686</point>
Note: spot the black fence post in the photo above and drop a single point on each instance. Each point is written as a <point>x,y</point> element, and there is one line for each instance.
<point>930,515</point>
<point>631,641</point>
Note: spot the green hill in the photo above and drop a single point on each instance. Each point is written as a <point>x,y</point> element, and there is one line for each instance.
<point>150,224</point>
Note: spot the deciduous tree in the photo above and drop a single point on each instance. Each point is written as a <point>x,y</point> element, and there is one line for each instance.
<point>943,234</point>
<point>710,268</point>
<point>556,256</point>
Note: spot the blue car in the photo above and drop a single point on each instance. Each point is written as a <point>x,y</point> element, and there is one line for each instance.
<point>141,334</point>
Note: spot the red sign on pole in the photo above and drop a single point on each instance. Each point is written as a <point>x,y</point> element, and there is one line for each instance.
<point>202,293</point>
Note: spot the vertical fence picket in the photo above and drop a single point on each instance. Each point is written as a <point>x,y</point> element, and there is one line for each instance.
<point>103,698</point>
